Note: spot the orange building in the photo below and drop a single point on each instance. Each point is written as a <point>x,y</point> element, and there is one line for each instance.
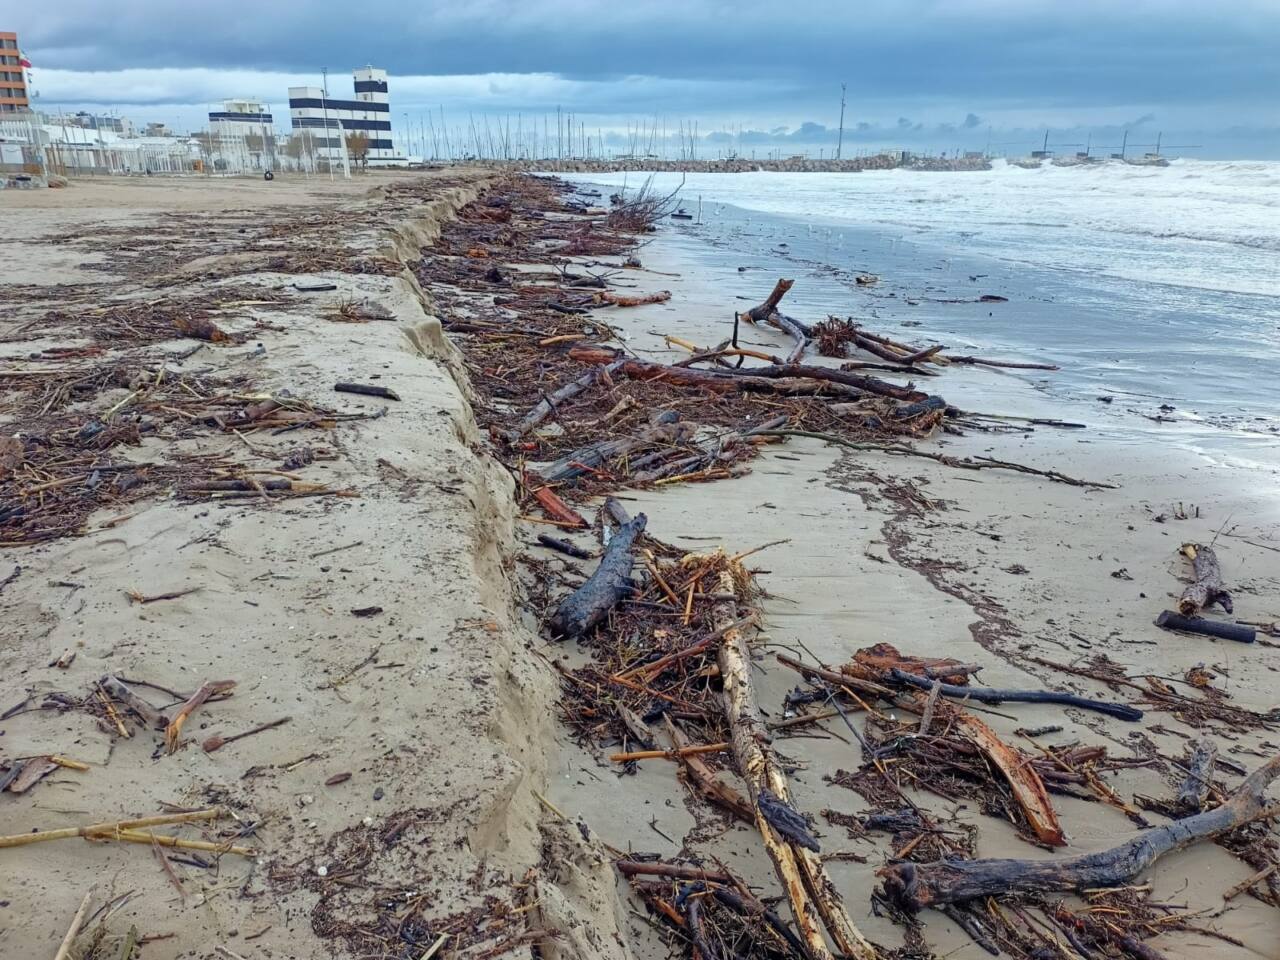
<point>13,79</point>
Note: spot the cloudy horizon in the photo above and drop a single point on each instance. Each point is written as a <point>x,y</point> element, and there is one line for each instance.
<point>968,74</point>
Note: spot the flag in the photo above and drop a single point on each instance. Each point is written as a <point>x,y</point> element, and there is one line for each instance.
<point>23,61</point>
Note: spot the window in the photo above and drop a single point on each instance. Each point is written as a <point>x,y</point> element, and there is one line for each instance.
<point>9,44</point>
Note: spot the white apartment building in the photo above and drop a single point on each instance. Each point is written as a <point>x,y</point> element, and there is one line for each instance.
<point>241,136</point>
<point>326,121</point>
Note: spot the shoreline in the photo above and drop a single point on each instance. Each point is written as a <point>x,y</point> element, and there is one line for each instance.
<point>983,570</point>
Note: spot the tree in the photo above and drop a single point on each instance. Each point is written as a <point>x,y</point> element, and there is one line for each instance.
<point>358,147</point>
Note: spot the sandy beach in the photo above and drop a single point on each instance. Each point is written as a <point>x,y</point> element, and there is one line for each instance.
<point>425,796</point>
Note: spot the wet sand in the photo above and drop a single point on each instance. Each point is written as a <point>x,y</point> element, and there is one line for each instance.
<point>1000,567</point>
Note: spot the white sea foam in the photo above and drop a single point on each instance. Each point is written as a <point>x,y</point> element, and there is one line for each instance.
<point>1207,224</point>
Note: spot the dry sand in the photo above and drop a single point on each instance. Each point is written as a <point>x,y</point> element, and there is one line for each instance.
<point>433,706</point>
<point>452,725</point>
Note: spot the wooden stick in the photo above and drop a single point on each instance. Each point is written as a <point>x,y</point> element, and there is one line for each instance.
<point>989,695</point>
<point>668,754</point>
<point>551,402</point>
<point>23,839</point>
<point>173,732</point>
<point>704,778</point>
<point>138,836</point>
<point>801,873</point>
<point>64,948</point>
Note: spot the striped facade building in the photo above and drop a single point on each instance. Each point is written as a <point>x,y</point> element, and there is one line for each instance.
<point>329,120</point>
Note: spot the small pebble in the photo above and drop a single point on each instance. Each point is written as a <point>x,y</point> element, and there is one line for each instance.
<point>378,794</point>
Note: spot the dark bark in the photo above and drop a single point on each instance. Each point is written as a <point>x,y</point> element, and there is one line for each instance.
<point>605,589</point>
<point>548,405</point>
<point>564,546</point>
<point>665,430</point>
<point>915,886</point>
<point>1239,632</point>
<point>367,390</point>
<point>1195,788</point>
<point>990,695</point>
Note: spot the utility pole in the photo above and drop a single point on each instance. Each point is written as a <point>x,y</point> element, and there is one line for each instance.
<point>840,140</point>
<point>342,140</point>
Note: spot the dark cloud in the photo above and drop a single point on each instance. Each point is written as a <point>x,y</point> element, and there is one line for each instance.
<point>970,63</point>
<point>1093,50</point>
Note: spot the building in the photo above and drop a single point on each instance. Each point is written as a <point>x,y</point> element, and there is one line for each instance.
<point>327,123</point>
<point>241,136</point>
<point>90,121</point>
<point>13,79</point>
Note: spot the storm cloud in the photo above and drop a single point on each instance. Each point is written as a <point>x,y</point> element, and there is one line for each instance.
<point>968,64</point>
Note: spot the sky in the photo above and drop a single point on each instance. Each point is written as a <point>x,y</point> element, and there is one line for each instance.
<point>755,76</point>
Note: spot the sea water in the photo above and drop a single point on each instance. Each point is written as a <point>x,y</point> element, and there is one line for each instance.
<point>1156,289</point>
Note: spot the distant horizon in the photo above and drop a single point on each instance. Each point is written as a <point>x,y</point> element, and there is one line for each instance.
<point>809,138</point>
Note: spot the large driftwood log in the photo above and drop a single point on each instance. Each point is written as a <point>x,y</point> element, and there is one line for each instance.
<point>801,873</point>
<point>604,589</point>
<point>990,695</point>
<point>548,404</point>
<point>1241,633</point>
<point>914,886</point>
<point>1207,588</point>
<point>1194,790</point>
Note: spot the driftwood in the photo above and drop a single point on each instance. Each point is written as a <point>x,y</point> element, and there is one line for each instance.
<point>990,695</point>
<point>119,690</point>
<point>878,661</point>
<point>547,406</point>
<point>700,775</point>
<point>765,311</point>
<point>665,429</point>
<point>870,385</point>
<point>1241,633</point>
<point>801,873</point>
<point>1028,789</point>
<point>1207,588</point>
<point>794,330</point>
<point>784,379</point>
<point>173,732</point>
<point>1194,790</point>
<point>564,546</point>
<point>979,361</point>
<point>556,508</point>
<point>367,390</point>
<point>606,588</point>
<point>914,886</point>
